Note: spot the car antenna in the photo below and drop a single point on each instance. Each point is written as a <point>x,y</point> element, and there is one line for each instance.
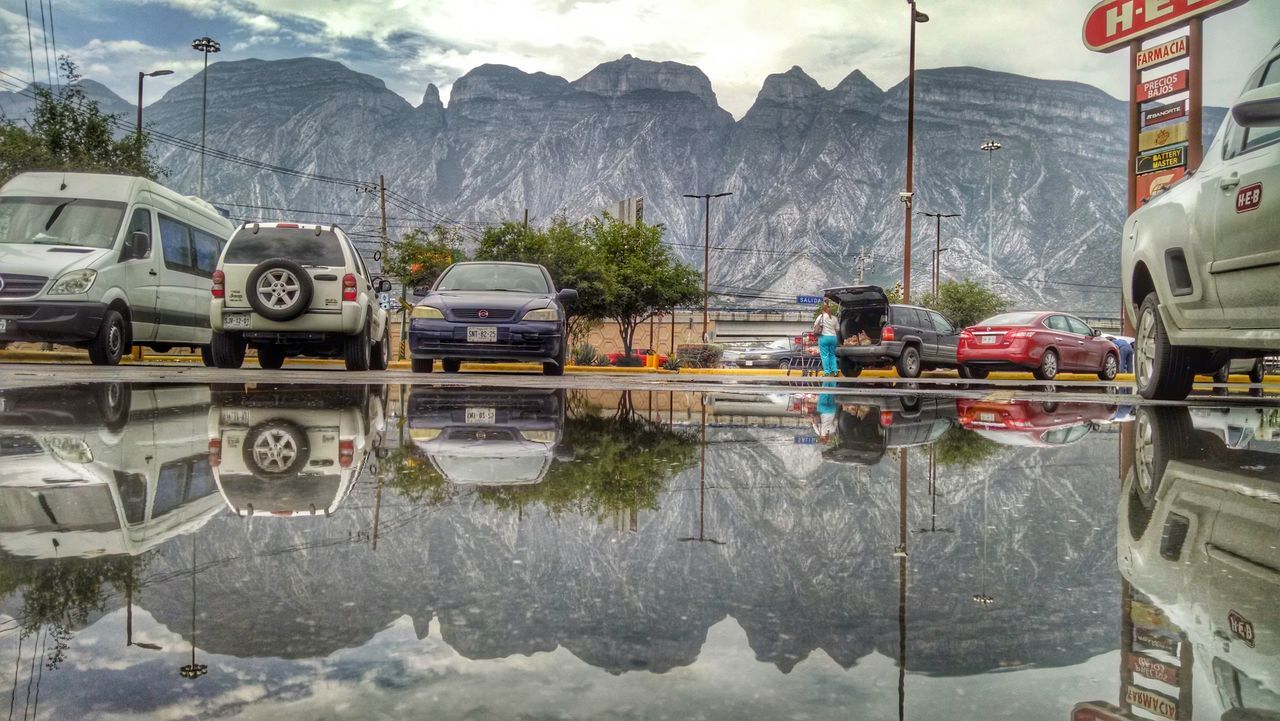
<point>319,230</point>
<point>255,228</point>
<point>63,184</point>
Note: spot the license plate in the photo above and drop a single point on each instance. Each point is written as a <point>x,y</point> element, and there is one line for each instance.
<point>235,320</point>
<point>748,363</point>
<point>235,418</point>
<point>987,417</point>
<point>4,325</point>
<point>482,334</point>
<point>988,340</point>
<point>481,415</point>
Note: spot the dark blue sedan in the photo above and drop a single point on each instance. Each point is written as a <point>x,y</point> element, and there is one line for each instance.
<point>485,311</point>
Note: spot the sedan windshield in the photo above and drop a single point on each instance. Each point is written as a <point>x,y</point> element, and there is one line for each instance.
<point>495,277</point>
<point>1011,319</point>
<point>60,221</point>
<point>780,344</point>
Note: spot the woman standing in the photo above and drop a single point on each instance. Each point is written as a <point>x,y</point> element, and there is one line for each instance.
<point>825,326</point>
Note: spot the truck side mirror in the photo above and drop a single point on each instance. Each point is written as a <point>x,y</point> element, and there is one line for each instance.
<point>384,286</point>
<point>1258,108</point>
<point>139,245</point>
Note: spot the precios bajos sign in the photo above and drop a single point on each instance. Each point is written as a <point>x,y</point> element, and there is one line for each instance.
<point>1112,23</point>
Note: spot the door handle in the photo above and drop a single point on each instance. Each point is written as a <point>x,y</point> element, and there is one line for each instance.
<point>1229,182</point>
<point>152,272</point>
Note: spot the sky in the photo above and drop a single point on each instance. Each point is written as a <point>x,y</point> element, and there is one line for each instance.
<point>737,43</point>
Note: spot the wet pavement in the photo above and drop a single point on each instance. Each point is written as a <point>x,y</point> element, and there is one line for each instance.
<point>498,549</point>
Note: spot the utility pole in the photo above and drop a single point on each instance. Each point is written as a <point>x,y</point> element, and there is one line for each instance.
<point>916,17</point>
<point>526,220</point>
<point>382,208</point>
<point>862,264</point>
<point>990,147</point>
<point>706,256</point>
<point>937,250</point>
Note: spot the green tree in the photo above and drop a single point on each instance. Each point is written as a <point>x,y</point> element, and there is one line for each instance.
<point>69,132</point>
<point>419,257</point>
<point>961,447</point>
<point>964,302</point>
<point>894,293</point>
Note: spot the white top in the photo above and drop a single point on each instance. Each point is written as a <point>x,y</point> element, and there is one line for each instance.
<point>825,323</point>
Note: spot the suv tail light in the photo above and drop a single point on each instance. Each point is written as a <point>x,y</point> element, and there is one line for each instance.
<point>346,453</point>
<point>215,452</point>
<point>348,287</point>
<point>886,333</point>
<point>886,418</point>
<point>219,288</point>
<point>286,225</point>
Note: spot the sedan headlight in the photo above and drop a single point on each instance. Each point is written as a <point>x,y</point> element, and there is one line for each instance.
<point>539,436</point>
<point>74,283</point>
<point>69,449</point>
<point>427,312</point>
<point>543,314</point>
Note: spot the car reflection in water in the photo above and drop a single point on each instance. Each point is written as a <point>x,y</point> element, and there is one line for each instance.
<point>111,469</point>
<point>480,436</point>
<point>1033,424</point>
<point>292,450</point>
<point>868,427</point>
<point>1197,540</point>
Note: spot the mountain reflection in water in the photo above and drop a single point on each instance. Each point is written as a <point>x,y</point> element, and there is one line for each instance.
<point>490,551</point>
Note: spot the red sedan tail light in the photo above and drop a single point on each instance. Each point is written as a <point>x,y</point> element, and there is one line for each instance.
<point>1022,334</point>
<point>219,288</point>
<point>348,287</point>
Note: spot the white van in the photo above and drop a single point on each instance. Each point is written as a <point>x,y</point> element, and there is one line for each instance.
<point>78,265</point>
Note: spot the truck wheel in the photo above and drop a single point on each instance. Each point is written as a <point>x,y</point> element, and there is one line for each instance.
<point>422,365</point>
<point>380,355</point>
<point>1164,371</point>
<point>271,358</point>
<point>107,348</point>
<point>227,349</point>
<point>358,350</point>
<point>909,362</point>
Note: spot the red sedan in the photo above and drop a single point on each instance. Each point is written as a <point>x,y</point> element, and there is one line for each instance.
<point>638,355</point>
<point>1044,343</point>
<point>1036,424</point>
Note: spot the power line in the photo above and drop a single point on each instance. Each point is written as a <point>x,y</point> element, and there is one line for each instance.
<point>44,37</point>
<point>31,48</point>
<point>53,37</point>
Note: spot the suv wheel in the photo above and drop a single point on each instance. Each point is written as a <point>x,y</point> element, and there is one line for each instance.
<point>422,365</point>
<point>380,355</point>
<point>358,350</point>
<point>227,350</point>
<point>909,362</point>
<point>279,289</point>
<point>1163,370</point>
<point>1048,369</point>
<point>849,369</point>
<point>108,347</point>
<point>270,357</point>
<point>451,365</point>
<point>276,449</point>
<point>1110,366</point>
<point>1258,372</point>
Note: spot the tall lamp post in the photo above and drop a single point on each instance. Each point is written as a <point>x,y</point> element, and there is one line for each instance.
<point>990,147</point>
<point>141,75</point>
<point>937,249</point>
<point>916,17</point>
<point>706,256</point>
<point>205,45</point>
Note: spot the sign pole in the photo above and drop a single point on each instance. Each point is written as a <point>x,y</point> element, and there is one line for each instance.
<point>1131,180</point>
<point>1195,81</point>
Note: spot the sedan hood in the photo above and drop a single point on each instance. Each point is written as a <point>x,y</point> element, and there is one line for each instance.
<point>50,261</point>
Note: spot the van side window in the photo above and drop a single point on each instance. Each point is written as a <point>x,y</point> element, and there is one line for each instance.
<point>140,223</point>
<point>188,250</point>
<point>206,248</point>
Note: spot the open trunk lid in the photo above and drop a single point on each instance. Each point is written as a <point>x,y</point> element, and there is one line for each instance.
<point>858,296</point>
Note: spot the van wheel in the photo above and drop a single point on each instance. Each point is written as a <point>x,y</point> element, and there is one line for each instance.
<point>1164,371</point>
<point>380,355</point>
<point>271,358</point>
<point>422,365</point>
<point>113,401</point>
<point>1048,368</point>
<point>107,348</point>
<point>227,349</point>
<point>358,350</point>
<point>909,362</point>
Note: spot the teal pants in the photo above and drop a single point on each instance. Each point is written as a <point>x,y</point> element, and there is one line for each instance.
<point>827,347</point>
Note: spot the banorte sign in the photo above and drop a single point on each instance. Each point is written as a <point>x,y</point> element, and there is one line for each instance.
<point>1113,23</point>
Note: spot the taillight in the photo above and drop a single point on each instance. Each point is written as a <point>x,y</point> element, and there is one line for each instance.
<point>219,288</point>
<point>1021,334</point>
<point>886,418</point>
<point>348,287</point>
<point>215,452</point>
<point>886,333</point>
<point>286,225</point>
<point>346,452</point>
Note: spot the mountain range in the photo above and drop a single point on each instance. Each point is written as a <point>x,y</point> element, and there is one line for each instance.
<point>815,173</point>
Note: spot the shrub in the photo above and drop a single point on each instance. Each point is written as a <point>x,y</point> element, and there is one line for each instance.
<point>699,355</point>
<point>585,354</point>
<point>629,361</point>
<point>672,364</point>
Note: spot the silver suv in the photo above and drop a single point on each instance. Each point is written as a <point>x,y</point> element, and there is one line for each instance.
<point>289,289</point>
<point>1201,261</point>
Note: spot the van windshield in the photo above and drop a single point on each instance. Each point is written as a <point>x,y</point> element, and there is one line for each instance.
<point>60,221</point>
<point>298,244</point>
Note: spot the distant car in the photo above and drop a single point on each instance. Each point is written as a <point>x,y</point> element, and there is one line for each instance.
<point>1199,261</point>
<point>489,311</point>
<point>869,426</point>
<point>1044,343</point>
<point>909,338</point>
<point>1255,368</point>
<point>640,355</point>
<point>293,289</point>
<point>780,353</point>
<point>1035,424</point>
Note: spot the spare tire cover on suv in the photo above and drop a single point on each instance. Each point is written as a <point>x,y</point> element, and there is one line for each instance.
<point>279,289</point>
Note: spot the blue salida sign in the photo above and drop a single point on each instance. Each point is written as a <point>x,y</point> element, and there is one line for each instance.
<point>808,299</point>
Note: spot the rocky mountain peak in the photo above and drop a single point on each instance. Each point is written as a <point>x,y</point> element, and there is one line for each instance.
<point>856,92</point>
<point>630,74</point>
<point>504,83</point>
<point>785,99</point>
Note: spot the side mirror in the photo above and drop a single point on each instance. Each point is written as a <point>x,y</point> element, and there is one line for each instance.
<point>567,295</point>
<point>384,286</point>
<point>1096,333</point>
<point>420,291</point>
<point>1258,108</point>
<point>139,245</point>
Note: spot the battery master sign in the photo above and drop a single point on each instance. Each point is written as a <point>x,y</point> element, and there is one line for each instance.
<point>1162,160</point>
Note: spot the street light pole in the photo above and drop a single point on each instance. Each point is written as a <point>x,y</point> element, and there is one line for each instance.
<point>206,45</point>
<point>990,147</point>
<point>706,256</point>
<point>142,75</point>
<point>937,250</point>
<point>916,17</point>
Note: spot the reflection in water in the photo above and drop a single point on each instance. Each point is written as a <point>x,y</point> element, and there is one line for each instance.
<point>490,552</point>
<point>1197,548</point>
